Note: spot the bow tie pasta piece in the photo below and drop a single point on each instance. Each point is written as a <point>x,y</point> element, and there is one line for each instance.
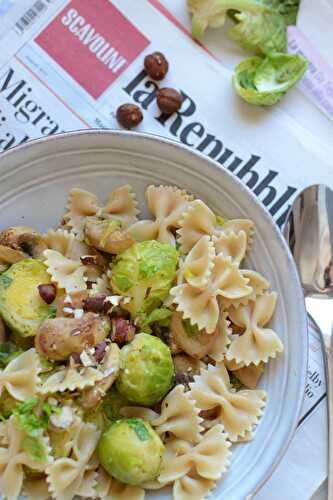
<point>256,281</point>
<point>36,489</point>
<point>192,487</point>
<point>198,263</point>
<point>68,477</point>
<point>13,458</point>
<point>80,205</point>
<point>257,343</point>
<point>64,242</point>
<point>167,204</point>
<point>109,488</point>
<point>231,245</point>
<point>179,416</point>
<point>223,339</point>
<point>209,458</point>
<point>70,379</point>
<point>67,273</point>
<point>198,221</point>
<point>237,225</point>
<point>237,411</point>
<point>200,305</point>
<point>121,205</point>
<point>20,377</point>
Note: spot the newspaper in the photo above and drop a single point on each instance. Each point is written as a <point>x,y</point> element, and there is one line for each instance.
<point>68,64</point>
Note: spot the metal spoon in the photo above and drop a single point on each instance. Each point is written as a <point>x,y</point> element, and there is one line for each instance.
<point>309,233</point>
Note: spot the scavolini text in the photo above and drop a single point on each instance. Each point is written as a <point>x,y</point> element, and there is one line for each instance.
<point>191,132</point>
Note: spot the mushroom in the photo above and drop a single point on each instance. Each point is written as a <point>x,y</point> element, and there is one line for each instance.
<point>197,343</point>
<point>23,239</point>
<point>110,366</point>
<point>106,235</point>
<point>185,368</point>
<point>58,338</point>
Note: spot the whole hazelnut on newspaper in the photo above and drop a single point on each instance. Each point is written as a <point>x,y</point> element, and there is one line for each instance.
<point>169,100</point>
<point>129,115</point>
<point>156,65</point>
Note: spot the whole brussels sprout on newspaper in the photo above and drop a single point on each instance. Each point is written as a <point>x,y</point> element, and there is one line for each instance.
<point>213,13</point>
<point>265,81</point>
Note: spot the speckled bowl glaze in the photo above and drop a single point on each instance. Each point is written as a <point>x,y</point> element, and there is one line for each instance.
<point>34,182</point>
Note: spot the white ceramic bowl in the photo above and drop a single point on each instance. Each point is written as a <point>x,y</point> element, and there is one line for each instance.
<point>34,182</point>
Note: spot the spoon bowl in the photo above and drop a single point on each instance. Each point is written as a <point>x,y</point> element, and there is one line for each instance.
<point>309,232</point>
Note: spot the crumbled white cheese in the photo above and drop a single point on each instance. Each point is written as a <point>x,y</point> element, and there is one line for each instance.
<point>78,313</point>
<point>87,359</point>
<point>67,300</point>
<point>68,310</point>
<point>114,299</point>
<point>126,300</point>
<point>64,419</point>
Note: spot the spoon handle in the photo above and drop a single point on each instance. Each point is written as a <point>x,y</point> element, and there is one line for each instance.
<point>329,391</point>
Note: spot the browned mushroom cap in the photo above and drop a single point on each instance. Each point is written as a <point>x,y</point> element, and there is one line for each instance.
<point>106,235</point>
<point>23,239</point>
<point>58,338</point>
<point>195,343</point>
<point>8,256</point>
<point>111,365</point>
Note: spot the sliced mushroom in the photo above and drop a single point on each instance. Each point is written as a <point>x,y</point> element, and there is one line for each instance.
<point>74,300</point>
<point>106,235</point>
<point>23,239</point>
<point>8,256</point>
<point>185,368</point>
<point>196,344</point>
<point>250,375</point>
<point>58,338</point>
<point>110,366</point>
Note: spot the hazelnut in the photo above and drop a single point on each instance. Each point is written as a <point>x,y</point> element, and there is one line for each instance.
<point>94,304</point>
<point>47,292</point>
<point>169,100</point>
<point>156,65</point>
<point>129,115</point>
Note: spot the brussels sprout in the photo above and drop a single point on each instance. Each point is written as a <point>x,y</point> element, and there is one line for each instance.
<point>146,370</point>
<point>145,272</point>
<point>131,451</point>
<point>265,81</point>
<point>261,25</point>
<point>260,32</point>
<point>7,404</point>
<point>113,403</point>
<point>21,306</point>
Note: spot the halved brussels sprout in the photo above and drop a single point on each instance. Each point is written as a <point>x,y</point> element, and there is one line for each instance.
<point>21,306</point>
<point>265,81</point>
<point>131,451</point>
<point>145,272</point>
<point>212,13</point>
<point>146,370</point>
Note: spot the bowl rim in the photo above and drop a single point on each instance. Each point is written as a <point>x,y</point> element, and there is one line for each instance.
<point>212,164</point>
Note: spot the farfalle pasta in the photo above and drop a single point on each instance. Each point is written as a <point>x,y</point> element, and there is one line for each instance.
<point>134,349</point>
<point>238,412</point>
<point>257,343</point>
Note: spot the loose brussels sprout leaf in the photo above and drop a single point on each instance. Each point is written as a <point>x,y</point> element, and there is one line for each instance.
<point>32,418</point>
<point>8,351</point>
<point>145,272</point>
<point>146,370</point>
<point>7,405</point>
<point>287,8</point>
<point>113,403</point>
<point>21,306</point>
<point>160,316</point>
<point>131,451</point>
<point>265,81</point>
<point>260,32</point>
